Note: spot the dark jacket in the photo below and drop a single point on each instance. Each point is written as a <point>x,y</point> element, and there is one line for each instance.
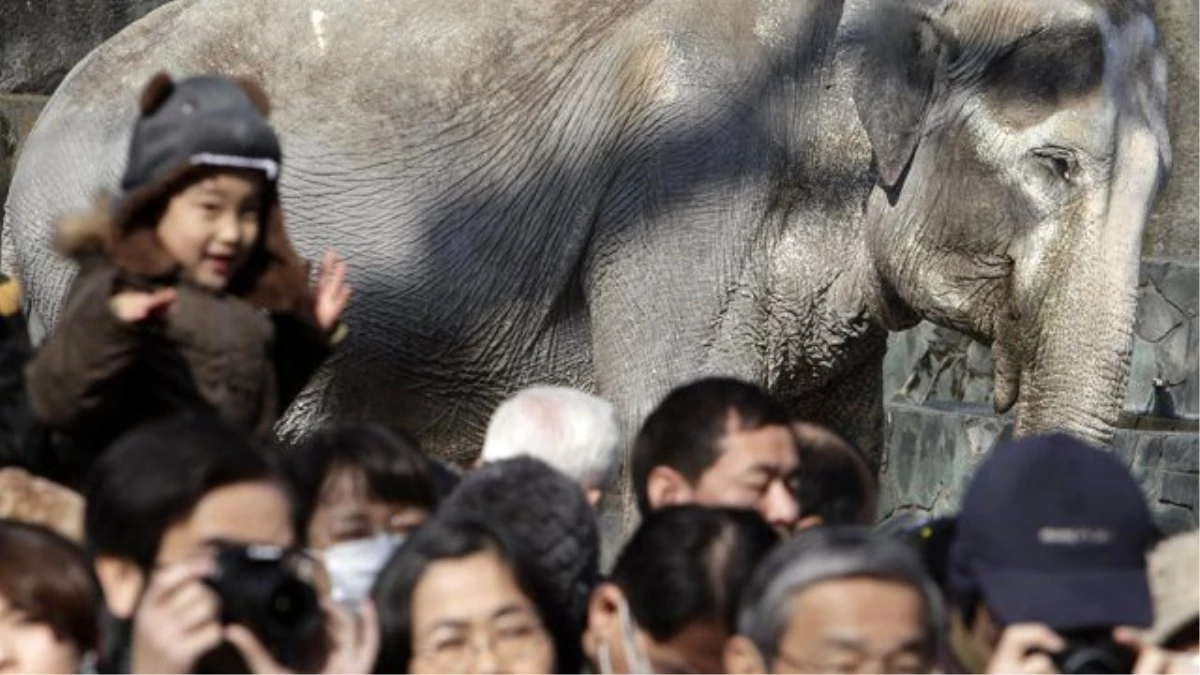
<point>97,377</point>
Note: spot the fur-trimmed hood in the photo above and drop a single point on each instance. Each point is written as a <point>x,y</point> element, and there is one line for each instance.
<point>274,277</point>
<point>202,121</point>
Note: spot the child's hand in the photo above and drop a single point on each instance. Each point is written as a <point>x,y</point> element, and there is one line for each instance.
<point>332,294</point>
<point>136,306</point>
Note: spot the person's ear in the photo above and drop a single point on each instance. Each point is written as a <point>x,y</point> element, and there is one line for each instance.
<point>809,522</point>
<point>122,581</point>
<point>603,623</point>
<point>667,487</point>
<point>594,495</point>
<point>742,657</point>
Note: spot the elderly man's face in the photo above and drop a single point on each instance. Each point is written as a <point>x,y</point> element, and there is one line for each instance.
<point>855,625</point>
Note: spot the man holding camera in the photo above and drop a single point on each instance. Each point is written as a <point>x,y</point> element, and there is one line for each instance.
<point>192,538</point>
<point>1047,569</point>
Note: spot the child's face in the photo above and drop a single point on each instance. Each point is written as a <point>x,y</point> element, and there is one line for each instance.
<point>211,224</point>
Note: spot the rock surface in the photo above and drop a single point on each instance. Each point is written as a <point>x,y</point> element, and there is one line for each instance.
<point>931,451</point>
<point>940,424</point>
<point>929,363</point>
<point>41,40</point>
<point>18,112</point>
<point>1172,231</point>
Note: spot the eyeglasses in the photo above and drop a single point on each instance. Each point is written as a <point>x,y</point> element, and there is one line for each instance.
<point>512,642</point>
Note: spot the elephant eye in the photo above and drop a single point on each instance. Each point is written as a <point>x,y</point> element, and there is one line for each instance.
<point>1058,159</point>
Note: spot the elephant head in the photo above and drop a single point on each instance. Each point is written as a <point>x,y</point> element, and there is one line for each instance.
<point>1019,146</point>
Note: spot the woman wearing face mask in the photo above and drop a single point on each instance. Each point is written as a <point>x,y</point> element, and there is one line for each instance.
<point>669,604</point>
<point>455,600</point>
<point>359,490</point>
<point>49,602</point>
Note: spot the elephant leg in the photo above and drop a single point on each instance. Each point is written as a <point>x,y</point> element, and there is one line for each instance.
<point>851,404</point>
<point>634,399</point>
<point>637,361</point>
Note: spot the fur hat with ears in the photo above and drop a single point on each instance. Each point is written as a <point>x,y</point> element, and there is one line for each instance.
<point>207,121</point>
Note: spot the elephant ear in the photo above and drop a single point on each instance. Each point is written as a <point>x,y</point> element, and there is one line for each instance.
<point>896,50</point>
<point>157,90</point>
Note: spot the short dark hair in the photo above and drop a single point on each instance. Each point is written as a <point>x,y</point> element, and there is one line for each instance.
<point>391,460</point>
<point>836,482</point>
<point>685,430</point>
<point>49,579</point>
<point>152,477</point>
<point>689,563</point>
<point>442,538</point>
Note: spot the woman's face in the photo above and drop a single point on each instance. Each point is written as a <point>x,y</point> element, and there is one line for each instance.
<point>470,616</point>
<point>346,510</point>
<point>28,646</point>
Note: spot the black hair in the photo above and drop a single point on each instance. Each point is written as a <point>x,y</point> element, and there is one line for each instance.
<point>685,430</point>
<point>390,459</point>
<point>443,538</point>
<point>689,563</point>
<point>835,479</point>
<point>153,477</point>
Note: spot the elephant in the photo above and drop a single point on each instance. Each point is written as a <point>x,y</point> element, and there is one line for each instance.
<point>621,195</point>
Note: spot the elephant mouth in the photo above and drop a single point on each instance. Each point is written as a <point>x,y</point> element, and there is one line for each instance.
<point>1006,369</point>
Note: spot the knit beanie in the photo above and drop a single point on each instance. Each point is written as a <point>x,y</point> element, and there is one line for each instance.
<point>200,121</point>
<point>547,518</point>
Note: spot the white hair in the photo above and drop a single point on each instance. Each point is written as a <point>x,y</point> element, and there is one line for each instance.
<point>574,432</point>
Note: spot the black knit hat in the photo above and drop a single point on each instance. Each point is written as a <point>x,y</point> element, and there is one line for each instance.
<point>200,121</point>
<point>547,518</point>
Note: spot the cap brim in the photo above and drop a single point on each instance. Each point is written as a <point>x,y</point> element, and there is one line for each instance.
<point>1068,600</point>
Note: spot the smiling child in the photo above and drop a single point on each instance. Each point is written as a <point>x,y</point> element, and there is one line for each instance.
<point>189,294</point>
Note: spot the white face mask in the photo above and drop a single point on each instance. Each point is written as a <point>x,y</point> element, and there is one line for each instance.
<point>635,657</point>
<point>353,565</point>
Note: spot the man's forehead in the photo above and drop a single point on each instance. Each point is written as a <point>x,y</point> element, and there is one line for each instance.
<point>772,443</point>
<point>840,604</point>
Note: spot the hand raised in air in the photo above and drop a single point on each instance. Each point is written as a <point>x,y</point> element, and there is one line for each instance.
<point>332,293</point>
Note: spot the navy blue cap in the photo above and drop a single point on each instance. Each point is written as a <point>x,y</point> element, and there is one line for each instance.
<point>1055,531</point>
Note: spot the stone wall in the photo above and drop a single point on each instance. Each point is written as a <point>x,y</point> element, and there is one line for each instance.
<point>1172,231</point>
<point>929,363</point>
<point>940,424</point>
<point>18,112</point>
<point>931,451</point>
<point>40,41</point>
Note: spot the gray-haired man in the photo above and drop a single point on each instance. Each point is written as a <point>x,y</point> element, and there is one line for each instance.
<point>837,600</point>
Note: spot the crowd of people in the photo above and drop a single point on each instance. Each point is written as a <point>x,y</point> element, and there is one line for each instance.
<point>185,539</point>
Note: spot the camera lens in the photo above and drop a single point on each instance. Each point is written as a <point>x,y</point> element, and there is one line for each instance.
<point>260,589</point>
<point>1094,659</point>
<point>292,604</point>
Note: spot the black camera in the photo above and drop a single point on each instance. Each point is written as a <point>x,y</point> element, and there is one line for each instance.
<point>260,588</point>
<point>1094,655</point>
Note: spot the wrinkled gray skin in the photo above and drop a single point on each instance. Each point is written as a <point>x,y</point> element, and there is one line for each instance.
<point>620,195</point>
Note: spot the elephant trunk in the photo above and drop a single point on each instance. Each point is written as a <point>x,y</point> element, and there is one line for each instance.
<point>1074,320</point>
